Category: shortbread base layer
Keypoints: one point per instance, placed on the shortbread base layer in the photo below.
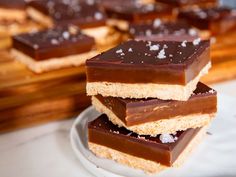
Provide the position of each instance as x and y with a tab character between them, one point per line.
12	15
162	126
123	25
39	17
17	28
143	164
146	90
52	63
106	37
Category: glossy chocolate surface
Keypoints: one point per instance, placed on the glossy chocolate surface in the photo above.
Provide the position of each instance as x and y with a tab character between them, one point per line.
85	14
57	42
205	17
149	62
134	12
184	3
12	4
103	132
137	111
163	31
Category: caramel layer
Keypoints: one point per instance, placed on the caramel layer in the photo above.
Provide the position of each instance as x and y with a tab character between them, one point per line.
103	132
137	111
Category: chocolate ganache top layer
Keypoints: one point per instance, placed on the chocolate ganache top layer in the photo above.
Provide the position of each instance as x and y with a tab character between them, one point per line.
83	13
164	54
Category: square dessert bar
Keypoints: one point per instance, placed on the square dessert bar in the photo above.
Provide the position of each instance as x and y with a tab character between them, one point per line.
216	20
85	14
155	116
151	154
55	48
122	14
12	10
163	31
144	69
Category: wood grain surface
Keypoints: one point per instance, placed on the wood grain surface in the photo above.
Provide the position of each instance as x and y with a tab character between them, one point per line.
28	99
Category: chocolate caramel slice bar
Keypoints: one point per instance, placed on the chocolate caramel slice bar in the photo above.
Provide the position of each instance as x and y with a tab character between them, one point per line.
215	20
12	10
155	116
56	48
85	14
144	69
121	14
150	154
163	31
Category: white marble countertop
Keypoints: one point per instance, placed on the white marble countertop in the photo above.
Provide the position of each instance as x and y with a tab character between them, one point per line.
45	150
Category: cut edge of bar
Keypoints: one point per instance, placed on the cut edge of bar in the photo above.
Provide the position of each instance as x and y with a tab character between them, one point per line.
153	128
143	164
52	63
146	90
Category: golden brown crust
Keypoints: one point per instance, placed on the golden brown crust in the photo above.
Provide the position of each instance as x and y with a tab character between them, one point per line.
143	164
158	127
52	63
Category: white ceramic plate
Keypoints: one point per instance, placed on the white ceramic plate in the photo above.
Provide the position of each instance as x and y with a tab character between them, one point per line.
215	157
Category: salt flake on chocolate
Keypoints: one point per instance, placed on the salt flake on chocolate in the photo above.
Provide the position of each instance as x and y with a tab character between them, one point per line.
98	16
197	41
154	47
119	51
192	32
66	35
157	23
167	138
130	50
183	44
161	54
54	41
211	91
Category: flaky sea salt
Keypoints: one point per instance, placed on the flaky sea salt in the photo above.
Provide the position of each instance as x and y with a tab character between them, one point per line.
149	43
54	41
119	51
161	54
211	91
197	41
192	32
167	138
130	50
157	23
154	47
98	16
66	35
183	44
165	46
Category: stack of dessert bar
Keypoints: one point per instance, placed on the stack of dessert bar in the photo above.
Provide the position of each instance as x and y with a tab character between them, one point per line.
155	109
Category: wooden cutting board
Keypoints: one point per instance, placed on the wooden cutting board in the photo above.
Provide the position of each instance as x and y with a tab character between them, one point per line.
28	99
